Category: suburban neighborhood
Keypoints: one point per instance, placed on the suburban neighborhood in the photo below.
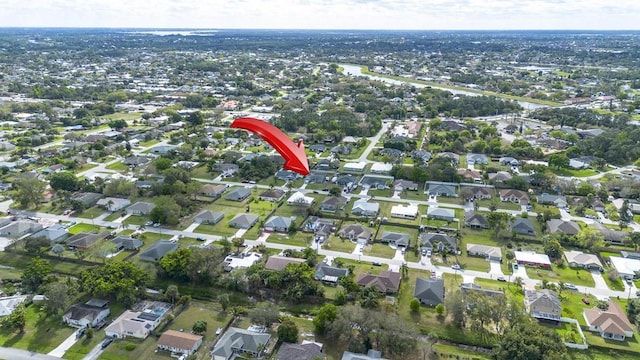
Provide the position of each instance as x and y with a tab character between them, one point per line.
136	223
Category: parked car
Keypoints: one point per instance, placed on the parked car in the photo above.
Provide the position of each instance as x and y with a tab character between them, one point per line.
586	301
455	267
106	342
200	238
148	223
376	263
502	279
570	287
428	253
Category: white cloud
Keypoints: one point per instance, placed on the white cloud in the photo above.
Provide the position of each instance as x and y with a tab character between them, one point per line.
326	14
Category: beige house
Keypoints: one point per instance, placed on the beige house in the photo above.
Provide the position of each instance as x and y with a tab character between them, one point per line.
179	342
611	323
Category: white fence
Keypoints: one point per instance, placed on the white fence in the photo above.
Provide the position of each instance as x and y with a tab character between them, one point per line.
574	322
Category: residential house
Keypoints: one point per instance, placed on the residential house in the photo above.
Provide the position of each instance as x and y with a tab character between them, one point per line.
514	196
241	261
277	262
401	185
470	175
236	341
388	282
179	342
54	169
273	195
381	168
578	259
127	243
89	314
422	155
243	221
562	226
477	192
327	164
158	250
299	199
287	175
371	355
453	157
522	226
611	323
442	189
84	240
227	170
16	229
138	323
499	177
598	205
330	274
543	304
163	149
53	233
304	351
556	200
441	214
214	191
238	194
404	212
141	208
9	303
208	217
317	177
491	253
475	220
278	224
395	239
87	199
355	232
477	159
113	204
136	160
362	207
437	241
355	167
508	161
319	148
333	204
429	291
531	258
375	182
582	162
627	266
346	180
615	237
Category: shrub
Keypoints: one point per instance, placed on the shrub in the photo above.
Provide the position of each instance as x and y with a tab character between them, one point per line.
414	305
130	347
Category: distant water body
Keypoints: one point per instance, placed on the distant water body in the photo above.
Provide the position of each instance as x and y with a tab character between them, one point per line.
357	71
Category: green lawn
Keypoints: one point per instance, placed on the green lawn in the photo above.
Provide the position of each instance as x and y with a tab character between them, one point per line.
113	216
58	266
293	240
218	229
118	166
202	172
566	274
380	250
135	220
78	228
86	167
500	204
90	213
335	243
42	333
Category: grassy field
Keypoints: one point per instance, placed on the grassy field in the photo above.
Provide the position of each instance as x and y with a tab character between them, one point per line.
113	216
42	333
337	244
135	220
294	240
118	166
90	213
380	250
78	228
566	274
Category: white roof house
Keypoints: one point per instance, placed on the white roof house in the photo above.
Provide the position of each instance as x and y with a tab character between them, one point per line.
245	260
300	198
381	168
355	166
532	258
401	211
625	266
9	303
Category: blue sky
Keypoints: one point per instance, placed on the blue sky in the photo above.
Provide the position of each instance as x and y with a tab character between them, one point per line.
325	14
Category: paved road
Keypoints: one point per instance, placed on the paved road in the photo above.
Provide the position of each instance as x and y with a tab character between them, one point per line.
19	354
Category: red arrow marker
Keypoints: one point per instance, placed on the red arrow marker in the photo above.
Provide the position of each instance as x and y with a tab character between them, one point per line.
294	155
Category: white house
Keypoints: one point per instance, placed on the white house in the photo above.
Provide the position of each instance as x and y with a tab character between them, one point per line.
8	303
179	342
405	212
299	198
83	315
381	168
355	166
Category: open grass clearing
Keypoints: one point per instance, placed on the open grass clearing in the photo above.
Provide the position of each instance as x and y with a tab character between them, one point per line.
379	250
78	228
42	333
335	243
566	274
90	213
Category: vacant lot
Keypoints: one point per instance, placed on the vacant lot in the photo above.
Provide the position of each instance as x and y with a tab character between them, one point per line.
42	333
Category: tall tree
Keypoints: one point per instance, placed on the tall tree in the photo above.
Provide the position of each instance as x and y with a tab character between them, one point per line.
64	180
530	341
122	280
35	274
28	192
288	331
57	298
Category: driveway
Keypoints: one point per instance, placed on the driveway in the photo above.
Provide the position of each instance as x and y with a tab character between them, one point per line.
65	345
192	227
4	242
399	255
599	281
495	268
468	279
521	272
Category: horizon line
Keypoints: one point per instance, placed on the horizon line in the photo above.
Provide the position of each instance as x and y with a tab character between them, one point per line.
293	29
